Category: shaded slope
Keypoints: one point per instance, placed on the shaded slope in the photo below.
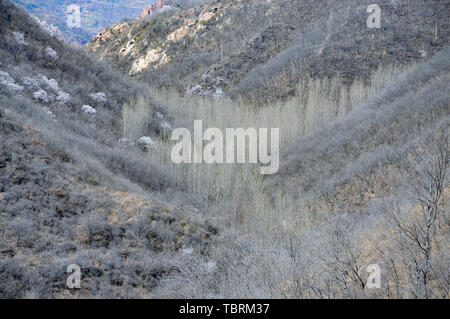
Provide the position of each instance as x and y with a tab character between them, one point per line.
261	49
347	163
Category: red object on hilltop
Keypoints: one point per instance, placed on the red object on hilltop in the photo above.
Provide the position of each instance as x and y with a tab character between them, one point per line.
149	11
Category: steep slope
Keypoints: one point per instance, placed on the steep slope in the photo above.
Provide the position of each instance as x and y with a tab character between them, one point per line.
261	49
367	185
69	192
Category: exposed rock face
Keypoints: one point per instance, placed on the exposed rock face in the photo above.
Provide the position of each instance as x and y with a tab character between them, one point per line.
178	34
153	56
206	16
253	44
96	15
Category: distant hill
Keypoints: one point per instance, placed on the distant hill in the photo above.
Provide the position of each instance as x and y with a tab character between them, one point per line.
95	15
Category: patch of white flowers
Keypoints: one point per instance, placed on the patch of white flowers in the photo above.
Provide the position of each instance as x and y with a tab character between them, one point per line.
19	37
63	97
51	87
53	84
9	82
88	109
41	96
98	97
49	28
51	53
30	83
146	141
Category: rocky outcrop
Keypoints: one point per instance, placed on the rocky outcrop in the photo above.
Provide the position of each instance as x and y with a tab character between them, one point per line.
157	57
147	11
179	34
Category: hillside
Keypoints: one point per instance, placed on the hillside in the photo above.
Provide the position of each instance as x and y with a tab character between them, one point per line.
70	193
260	50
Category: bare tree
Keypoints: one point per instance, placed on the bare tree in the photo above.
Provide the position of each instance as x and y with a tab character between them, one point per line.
425	178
